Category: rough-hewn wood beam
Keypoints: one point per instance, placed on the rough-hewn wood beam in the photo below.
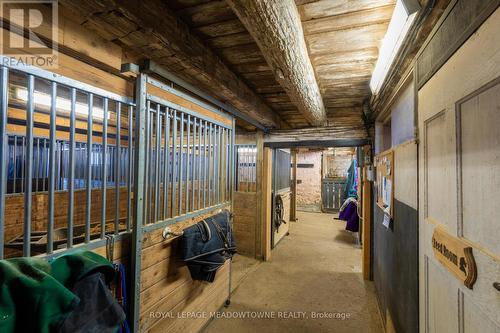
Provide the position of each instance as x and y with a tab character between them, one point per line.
152	29
276	27
316	134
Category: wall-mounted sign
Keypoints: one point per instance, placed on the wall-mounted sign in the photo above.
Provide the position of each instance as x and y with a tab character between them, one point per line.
455	255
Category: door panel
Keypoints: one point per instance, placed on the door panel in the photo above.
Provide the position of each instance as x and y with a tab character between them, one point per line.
442	301
459	183
474	319
440	169
478	121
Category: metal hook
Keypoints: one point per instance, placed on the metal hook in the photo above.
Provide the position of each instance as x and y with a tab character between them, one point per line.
169	232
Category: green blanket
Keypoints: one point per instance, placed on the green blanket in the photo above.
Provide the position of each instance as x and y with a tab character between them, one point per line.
35	295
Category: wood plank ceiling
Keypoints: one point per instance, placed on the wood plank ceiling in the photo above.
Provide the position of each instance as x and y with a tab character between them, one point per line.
216	24
342	36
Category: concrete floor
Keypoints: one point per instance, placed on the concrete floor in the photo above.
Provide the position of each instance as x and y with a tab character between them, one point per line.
316	269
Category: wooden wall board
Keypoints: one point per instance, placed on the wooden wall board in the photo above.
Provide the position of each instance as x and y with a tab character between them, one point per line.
246	217
166	284
73	68
14	213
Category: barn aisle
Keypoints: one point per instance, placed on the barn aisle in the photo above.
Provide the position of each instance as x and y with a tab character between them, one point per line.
316	270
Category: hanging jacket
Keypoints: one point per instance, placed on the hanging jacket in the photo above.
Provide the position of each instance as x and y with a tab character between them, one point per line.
351	185
207	245
41	296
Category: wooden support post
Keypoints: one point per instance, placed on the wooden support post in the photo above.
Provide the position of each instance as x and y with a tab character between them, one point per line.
266	203
366	203
259	189
293	203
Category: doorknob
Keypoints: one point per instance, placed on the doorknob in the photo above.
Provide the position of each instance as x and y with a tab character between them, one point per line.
496	285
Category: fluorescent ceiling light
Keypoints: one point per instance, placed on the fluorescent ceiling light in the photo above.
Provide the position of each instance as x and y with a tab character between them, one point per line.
61	103
399	26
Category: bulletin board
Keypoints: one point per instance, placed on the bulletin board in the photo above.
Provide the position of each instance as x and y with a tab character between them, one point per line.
384	164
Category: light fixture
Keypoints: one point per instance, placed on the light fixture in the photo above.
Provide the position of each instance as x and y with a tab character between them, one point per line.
61	103
401	21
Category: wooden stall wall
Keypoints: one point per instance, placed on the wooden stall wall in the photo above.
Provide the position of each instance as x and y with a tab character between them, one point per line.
167	290
246	218
247	203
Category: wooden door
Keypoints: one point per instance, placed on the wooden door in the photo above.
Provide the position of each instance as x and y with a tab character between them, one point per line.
459	185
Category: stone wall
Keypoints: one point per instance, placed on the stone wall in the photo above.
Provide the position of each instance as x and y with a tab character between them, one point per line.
309	180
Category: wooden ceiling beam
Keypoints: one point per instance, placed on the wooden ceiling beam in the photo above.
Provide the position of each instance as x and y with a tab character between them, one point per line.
318	134
156	28
277	29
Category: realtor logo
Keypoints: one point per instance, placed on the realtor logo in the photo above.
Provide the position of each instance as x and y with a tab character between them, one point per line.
30	33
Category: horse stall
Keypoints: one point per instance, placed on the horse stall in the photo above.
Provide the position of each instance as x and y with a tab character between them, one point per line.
119	163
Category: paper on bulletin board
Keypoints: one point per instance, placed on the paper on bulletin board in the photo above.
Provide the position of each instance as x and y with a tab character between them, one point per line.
386	191
387	220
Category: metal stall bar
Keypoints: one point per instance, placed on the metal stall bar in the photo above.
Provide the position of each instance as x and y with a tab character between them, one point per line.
4	100
88	208
227	166
188	157
210	164
232	161
181	160
216	163
43	163
157	163
117	167
222	166
15	162
205	165
166	164
104	179
174	160
147	171
199	164
193	165
29	167
147	181
52	168
71	178
130	167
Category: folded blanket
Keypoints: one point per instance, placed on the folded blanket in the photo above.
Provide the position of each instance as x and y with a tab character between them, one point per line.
207	245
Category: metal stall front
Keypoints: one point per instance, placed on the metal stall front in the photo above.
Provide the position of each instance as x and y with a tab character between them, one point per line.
184	166
65	163
281	181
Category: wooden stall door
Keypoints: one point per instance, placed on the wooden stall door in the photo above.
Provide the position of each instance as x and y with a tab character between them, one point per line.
459	182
